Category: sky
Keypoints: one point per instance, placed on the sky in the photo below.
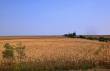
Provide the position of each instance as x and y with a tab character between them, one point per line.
54	17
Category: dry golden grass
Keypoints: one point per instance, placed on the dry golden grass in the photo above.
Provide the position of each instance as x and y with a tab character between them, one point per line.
56	47
64	49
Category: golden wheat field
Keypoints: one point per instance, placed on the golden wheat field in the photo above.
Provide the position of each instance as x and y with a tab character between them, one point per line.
63	49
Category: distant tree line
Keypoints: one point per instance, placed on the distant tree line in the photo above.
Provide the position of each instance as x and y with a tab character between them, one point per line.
74	35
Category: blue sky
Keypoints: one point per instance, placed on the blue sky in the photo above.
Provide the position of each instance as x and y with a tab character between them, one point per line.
54	17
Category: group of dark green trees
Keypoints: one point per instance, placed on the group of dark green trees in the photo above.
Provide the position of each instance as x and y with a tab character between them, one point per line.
74	35
71	35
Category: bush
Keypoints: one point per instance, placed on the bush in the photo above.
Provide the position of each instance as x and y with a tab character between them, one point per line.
8	53
104	39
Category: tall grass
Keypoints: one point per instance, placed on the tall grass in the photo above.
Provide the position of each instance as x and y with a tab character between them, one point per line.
20	63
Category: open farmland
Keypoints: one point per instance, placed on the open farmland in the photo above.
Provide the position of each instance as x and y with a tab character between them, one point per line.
63	53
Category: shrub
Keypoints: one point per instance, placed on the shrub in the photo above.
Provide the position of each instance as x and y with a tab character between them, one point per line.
8	53
103	39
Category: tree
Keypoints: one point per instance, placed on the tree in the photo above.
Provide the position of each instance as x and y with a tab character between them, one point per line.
71	35
74	34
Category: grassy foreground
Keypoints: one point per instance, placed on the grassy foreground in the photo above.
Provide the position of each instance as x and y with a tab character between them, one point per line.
54	54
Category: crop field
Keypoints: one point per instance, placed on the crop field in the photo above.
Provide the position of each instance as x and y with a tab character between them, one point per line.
60	53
